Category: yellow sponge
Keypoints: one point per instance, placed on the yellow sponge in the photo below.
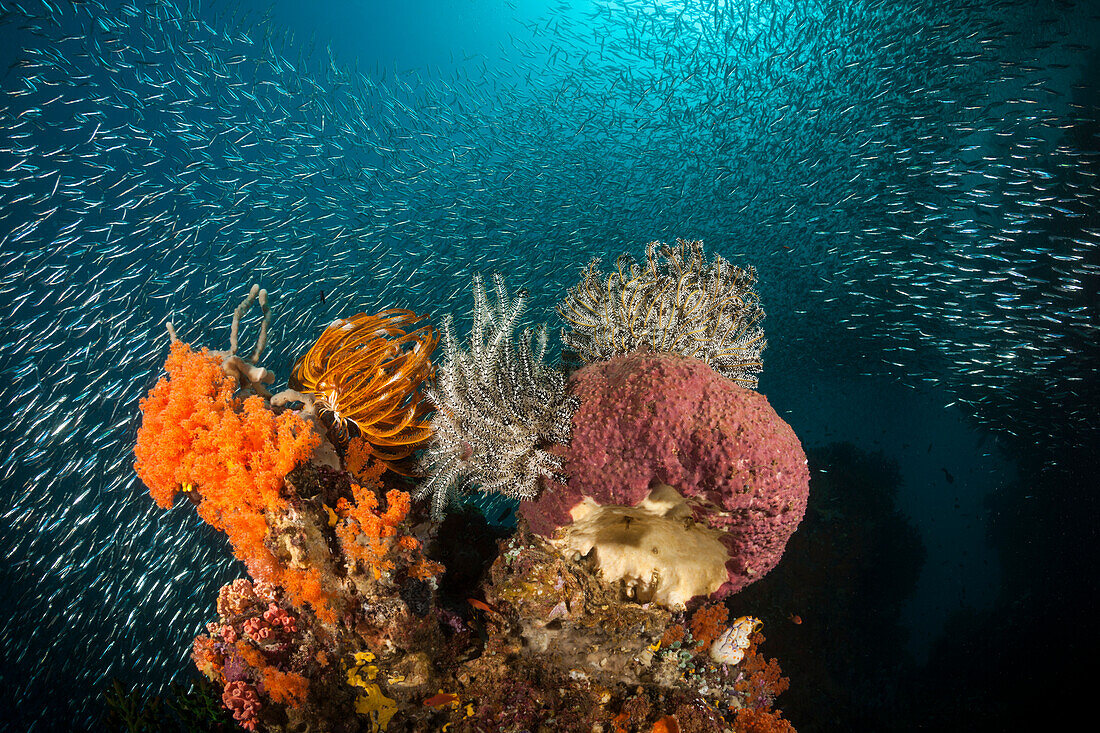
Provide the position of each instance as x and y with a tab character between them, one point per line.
653	548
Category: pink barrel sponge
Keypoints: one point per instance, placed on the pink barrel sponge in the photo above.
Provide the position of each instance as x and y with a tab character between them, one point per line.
650	418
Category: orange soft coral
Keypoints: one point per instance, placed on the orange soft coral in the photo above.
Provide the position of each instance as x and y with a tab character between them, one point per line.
175	415
370	538
707	623
288	688
197	435
366	535
369	372
673	634
667	724
763	680
761	721
361	465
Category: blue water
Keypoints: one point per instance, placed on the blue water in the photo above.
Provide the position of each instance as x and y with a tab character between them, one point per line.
917	187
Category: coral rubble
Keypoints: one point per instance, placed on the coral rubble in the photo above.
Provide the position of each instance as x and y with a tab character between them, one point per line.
653	486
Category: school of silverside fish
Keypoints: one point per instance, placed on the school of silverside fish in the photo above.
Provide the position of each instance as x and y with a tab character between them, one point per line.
915	183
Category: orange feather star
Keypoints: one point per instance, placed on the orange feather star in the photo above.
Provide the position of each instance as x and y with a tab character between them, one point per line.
368	372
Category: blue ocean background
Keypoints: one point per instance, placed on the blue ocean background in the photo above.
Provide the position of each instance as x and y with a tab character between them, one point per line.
917	184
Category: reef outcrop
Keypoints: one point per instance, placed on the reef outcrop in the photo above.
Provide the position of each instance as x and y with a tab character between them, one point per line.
652	487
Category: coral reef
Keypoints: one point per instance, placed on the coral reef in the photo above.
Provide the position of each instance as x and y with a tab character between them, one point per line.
285	664
652	474
564	651
368	372
680	305
331	563
499	407
740	468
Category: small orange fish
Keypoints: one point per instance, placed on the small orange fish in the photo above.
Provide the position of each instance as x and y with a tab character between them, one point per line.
481	605
443	698
794	618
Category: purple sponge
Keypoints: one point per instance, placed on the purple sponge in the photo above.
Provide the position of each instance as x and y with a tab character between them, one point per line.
649	418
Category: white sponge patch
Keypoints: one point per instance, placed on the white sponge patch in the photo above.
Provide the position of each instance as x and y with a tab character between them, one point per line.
654	549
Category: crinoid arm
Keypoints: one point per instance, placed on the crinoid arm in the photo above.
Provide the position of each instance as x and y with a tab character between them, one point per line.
366	375
498	406
677	302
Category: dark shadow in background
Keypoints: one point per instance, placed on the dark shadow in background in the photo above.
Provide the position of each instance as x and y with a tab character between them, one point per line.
832	607
1027	663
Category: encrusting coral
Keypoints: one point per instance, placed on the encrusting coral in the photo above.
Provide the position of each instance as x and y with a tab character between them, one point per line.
499	407
281	662
563	647
232	452
681	305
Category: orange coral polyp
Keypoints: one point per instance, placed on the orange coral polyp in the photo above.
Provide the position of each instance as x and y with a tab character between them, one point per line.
368	371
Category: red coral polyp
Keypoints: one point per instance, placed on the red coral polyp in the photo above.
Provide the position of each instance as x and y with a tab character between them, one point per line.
279	618
274	619
243	701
